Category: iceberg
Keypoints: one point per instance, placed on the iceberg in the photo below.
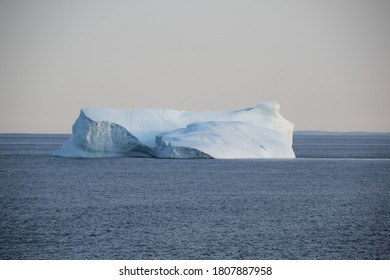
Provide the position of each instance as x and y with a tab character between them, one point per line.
259	132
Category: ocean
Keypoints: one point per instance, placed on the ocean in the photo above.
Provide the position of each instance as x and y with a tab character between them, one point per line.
331	202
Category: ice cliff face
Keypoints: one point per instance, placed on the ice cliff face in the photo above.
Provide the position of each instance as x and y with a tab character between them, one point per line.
259	132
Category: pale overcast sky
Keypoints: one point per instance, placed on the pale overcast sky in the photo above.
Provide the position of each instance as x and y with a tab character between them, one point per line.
326	62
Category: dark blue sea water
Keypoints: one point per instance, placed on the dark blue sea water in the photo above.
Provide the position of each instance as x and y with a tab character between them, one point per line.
332	202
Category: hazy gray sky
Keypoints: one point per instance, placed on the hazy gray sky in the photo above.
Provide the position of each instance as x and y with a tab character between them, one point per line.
326	62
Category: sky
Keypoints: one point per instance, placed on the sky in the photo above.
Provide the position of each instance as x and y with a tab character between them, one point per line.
327	63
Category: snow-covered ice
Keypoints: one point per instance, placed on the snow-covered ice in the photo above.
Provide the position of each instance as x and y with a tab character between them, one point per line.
259	132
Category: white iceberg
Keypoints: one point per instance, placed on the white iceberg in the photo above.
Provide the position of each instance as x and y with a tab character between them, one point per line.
259	132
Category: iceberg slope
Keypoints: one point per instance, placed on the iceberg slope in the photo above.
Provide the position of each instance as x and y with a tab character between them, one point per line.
232	140
259	132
